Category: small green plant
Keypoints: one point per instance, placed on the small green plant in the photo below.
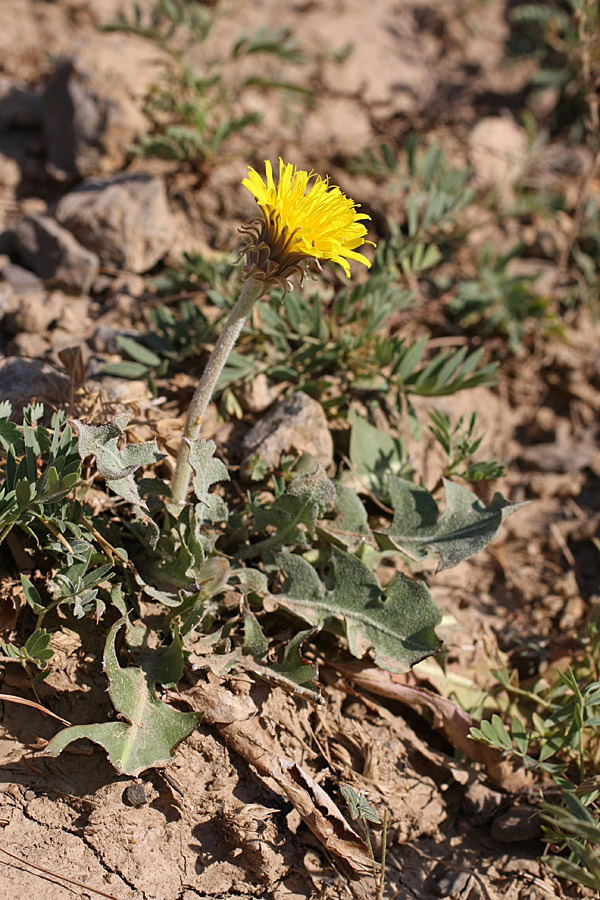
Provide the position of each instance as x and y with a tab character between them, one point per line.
553	728
360	809
440	207
560	35
194	114
336	350
565	37
433	193
573	829
499	301
460	443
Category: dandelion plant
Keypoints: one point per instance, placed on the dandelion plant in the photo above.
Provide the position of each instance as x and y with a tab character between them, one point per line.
304	219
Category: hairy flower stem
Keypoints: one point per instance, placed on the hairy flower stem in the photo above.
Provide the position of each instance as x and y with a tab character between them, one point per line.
251	291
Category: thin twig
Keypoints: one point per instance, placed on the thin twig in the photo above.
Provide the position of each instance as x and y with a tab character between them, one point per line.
562	544
59	537
12	699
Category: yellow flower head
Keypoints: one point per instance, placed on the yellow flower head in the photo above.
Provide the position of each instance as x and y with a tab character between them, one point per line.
304	217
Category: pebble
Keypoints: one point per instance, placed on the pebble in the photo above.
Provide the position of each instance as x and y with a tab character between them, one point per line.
135	795
54	254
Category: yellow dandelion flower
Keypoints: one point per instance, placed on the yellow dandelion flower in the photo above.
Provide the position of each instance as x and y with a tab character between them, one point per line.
304	217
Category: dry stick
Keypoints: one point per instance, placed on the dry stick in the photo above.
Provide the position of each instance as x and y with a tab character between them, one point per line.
251	291
86	887
12	699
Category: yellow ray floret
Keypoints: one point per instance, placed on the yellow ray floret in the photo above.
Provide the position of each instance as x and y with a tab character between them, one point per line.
308	216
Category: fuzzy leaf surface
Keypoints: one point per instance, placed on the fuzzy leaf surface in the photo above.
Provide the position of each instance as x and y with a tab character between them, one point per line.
152	730
207	470
116	465
374	454
350	525
396	624
461	531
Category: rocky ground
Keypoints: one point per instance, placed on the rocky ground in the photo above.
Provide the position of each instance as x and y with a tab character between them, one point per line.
85	227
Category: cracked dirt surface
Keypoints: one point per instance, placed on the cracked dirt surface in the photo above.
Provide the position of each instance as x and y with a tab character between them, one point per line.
208	825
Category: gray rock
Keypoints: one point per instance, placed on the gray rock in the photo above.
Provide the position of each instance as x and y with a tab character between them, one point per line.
124	219
54	254
22	381
18	289
519	823
445	881
34	312
34	346
8	298
93	104
296	423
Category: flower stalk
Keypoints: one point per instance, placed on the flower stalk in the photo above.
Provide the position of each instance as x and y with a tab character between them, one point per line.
250	293
304	219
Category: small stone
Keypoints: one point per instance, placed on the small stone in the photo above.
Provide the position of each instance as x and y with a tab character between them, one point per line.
296	423
135	795
8	298
125	219
497	150
519	823
445	881
75	318
54	254
25	344
10	172
21	279
480	804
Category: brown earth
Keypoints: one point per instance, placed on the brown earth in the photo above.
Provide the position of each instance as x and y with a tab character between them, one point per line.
209	825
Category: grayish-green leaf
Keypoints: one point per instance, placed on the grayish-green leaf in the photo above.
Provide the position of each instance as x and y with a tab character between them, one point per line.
152	730
116	465
396	624
207	470
461	531
255	643
374	455
350	525
294	667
